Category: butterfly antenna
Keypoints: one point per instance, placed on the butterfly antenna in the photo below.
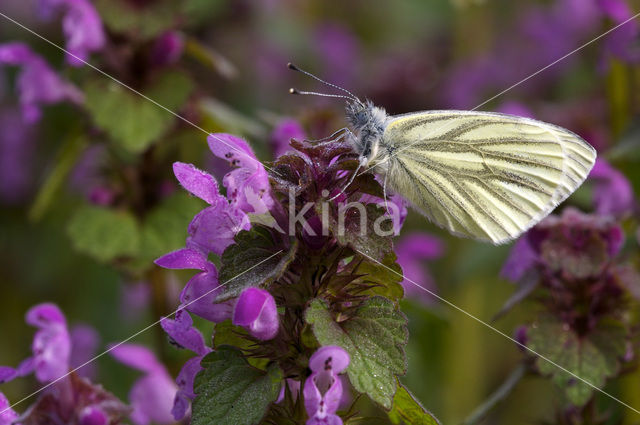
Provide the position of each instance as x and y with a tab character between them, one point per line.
295	68
296	91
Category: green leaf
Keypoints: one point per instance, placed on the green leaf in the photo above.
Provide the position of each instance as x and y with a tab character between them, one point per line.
226	333
408	411
374	337
132	122
244	265
104	234
385	281
594	357
164	227
230	391
372	238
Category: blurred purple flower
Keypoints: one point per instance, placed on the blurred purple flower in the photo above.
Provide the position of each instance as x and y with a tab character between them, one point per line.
81	25
284	131
84	345
623	42
412	251
567	247
323	388
8	415
521	259
151	396
516	108
612	192
200	287
37	83
168	48
17	149
51	343
256	310
182	332
134	299
248	188
338	51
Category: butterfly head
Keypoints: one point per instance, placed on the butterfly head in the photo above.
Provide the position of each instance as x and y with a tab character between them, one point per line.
369	122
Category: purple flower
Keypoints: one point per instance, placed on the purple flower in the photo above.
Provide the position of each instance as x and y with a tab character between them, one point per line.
8	415
183	333
338	50
84	344
621	43
135	298
17	153
51	343
612	192
81	25
323	388
37	83
212	229
256	310
198	295
168	48
247	185
282	134
412	251
151	396
521	259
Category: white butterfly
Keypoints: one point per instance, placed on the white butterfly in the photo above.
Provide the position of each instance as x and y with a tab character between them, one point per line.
483	175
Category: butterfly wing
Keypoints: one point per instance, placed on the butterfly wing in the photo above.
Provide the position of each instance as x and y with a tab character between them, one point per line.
483	175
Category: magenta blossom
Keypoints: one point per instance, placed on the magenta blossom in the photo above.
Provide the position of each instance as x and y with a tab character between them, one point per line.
283	132
412	252
85	342
182	332
81	25
247	185
37	83
199	294
323	388
256	310
612	192
168	48
7	414
151	396
213	228
51	343
621	43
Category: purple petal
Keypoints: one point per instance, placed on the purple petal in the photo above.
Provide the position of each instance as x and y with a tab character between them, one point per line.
151	398
282	134
522	258
93	415
137	357
328	420
7	374
612	192
199	295
248	185
256	310
84	344
197	182
168	48
184	259
83	29
181	330
331	356
233	149
43	315
185	381
213	229
8	415
51	344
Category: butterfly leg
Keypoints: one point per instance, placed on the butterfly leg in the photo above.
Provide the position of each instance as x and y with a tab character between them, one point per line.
337	135
353	176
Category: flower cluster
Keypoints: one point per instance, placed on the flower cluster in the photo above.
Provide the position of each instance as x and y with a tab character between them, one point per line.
70	398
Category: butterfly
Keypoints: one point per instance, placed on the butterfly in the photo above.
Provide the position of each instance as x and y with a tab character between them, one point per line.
483	175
